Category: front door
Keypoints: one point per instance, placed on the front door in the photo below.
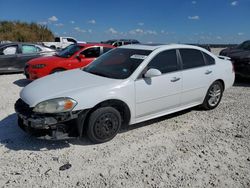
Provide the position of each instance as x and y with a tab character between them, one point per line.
161	94
90	55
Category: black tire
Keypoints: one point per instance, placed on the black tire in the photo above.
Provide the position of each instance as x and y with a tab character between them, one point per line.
57	70
211	101
103	125
53	47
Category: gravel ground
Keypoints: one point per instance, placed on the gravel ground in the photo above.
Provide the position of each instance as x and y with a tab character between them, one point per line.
192	148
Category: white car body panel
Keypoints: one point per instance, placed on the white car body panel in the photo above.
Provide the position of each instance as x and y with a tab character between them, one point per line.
152	97
63	42
146	99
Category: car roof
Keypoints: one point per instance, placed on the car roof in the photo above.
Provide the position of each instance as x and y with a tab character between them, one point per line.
94	44
153	47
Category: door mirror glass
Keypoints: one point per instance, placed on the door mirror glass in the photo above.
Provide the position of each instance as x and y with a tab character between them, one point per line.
152	73
80	57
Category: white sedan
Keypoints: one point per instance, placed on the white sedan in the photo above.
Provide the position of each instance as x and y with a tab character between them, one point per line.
127	85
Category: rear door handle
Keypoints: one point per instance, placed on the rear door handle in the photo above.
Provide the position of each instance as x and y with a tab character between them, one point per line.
175	79
208	72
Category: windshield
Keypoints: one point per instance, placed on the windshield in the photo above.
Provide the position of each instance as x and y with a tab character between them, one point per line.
119	63
69	51
245	45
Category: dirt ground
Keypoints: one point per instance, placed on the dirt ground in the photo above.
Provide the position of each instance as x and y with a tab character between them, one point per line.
192	148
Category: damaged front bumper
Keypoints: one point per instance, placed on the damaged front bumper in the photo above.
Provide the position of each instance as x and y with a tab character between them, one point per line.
56	126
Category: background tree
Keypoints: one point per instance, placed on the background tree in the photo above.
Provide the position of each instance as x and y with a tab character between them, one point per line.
24	32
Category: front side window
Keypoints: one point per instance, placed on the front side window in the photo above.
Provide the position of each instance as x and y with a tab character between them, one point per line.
105	49
69	51
91	52
9	50
165	62
28	49
191	58
119	63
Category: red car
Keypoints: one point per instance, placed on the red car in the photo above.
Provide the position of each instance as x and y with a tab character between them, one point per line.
73	56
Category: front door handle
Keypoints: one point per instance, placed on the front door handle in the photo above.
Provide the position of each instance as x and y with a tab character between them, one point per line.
175	79
208	72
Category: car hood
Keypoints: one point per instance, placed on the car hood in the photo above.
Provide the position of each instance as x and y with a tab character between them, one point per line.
50	59
63	84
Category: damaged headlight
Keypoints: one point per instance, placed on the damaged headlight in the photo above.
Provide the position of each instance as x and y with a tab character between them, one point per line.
55	105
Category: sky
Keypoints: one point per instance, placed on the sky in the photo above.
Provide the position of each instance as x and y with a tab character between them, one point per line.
157	21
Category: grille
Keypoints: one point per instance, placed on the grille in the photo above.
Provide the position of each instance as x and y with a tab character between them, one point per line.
22	108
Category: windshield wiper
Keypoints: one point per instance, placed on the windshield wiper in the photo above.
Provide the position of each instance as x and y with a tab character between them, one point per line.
96	73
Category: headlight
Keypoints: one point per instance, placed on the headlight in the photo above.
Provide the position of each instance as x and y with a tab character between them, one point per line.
38	66
55	105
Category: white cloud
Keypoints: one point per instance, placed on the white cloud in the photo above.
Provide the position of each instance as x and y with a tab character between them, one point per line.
112	31
240	33
59	25
164	32
78	29
234	3
141	24
92	21
53	19
151	32
90	30
219	37
72	22
136	31
42	23
194	2
193	17
140	31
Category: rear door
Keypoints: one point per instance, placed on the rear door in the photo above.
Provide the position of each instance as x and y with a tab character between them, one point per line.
8	58
28	52
197	76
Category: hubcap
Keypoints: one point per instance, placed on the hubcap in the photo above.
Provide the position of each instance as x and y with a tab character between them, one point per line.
214	95
106	126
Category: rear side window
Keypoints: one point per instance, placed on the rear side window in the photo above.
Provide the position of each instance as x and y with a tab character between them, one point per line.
28	49
209	60
165	62
57	39
91	52
191	58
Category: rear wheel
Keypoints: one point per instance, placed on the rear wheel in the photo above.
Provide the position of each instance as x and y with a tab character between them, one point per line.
104	124
213	97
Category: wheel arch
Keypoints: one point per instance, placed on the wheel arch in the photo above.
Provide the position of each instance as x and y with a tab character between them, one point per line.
222	82
119	105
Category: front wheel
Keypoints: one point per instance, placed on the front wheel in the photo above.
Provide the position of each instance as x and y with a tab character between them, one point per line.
104	124
213	96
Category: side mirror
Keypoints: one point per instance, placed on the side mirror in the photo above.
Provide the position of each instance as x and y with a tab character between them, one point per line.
152	73
80	57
